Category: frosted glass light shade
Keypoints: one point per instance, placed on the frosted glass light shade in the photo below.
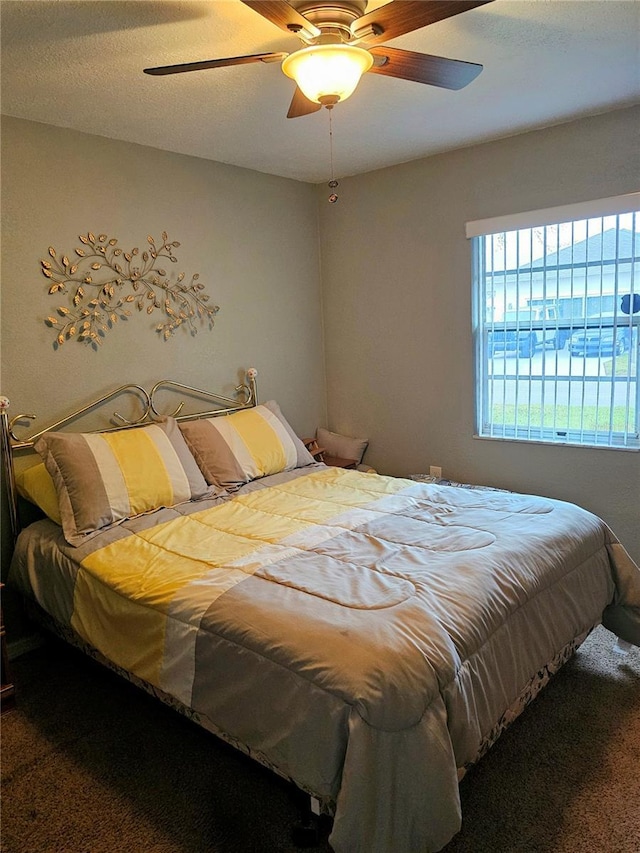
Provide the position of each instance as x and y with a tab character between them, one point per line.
327	72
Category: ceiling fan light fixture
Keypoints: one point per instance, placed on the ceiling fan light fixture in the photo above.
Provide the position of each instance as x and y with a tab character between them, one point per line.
327	73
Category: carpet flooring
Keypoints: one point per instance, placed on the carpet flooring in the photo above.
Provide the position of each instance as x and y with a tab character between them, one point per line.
91	764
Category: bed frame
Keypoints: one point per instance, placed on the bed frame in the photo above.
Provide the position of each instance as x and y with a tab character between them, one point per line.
11	444
246	393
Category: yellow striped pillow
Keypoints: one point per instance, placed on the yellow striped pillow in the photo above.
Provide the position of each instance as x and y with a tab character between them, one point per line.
103	478
35	484
235	449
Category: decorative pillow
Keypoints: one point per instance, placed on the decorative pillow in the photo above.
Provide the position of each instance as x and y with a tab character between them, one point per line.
35	484
342	445
103	478
234	449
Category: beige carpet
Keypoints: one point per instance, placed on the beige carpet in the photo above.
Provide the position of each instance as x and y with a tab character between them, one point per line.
90	764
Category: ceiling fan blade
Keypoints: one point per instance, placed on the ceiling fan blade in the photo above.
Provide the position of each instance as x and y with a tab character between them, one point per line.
283	15
301	105
423	68
403	16
215	63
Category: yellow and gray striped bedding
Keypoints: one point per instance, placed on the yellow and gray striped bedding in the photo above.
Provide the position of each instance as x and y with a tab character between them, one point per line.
364	633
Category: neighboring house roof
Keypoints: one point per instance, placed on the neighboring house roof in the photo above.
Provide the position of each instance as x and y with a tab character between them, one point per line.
610	244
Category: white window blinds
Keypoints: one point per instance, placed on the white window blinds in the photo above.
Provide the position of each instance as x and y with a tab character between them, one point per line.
557	319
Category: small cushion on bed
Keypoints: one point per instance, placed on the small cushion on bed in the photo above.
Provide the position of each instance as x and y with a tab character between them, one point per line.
103	478
35	484
234	449
342	445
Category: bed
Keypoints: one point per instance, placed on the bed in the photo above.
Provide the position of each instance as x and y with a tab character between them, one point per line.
367	637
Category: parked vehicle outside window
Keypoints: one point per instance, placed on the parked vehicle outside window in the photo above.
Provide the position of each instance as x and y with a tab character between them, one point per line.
524	331
606	338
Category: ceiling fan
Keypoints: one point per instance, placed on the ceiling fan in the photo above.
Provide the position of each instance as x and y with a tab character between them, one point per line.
342	42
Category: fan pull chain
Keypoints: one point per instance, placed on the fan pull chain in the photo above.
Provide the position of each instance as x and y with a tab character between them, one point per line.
333	198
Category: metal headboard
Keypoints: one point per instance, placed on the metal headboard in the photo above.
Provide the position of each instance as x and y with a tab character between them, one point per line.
10	443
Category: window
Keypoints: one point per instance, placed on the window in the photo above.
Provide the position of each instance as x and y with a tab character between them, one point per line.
557	324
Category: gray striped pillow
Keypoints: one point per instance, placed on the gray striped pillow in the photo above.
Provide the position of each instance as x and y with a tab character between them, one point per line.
234	449
103	478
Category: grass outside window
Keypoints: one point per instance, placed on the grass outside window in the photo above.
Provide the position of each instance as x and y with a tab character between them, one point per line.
560	418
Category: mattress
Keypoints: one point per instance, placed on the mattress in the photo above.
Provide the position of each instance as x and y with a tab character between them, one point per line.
363	634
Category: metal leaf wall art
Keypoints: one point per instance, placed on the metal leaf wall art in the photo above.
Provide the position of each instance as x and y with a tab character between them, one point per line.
103	283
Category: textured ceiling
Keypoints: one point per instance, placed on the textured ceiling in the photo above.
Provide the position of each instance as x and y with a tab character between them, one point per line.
79	65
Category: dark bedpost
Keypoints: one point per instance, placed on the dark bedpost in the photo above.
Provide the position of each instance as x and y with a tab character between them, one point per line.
7	462
305	832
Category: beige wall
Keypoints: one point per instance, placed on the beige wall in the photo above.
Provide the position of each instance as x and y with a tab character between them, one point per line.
396	290
397	309
252	237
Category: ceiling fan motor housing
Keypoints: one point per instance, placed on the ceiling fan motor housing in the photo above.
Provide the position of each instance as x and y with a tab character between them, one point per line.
334	18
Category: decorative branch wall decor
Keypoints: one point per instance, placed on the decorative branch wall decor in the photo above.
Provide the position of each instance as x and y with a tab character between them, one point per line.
103	282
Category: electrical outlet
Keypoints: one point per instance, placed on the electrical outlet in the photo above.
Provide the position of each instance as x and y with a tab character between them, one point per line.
435	471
